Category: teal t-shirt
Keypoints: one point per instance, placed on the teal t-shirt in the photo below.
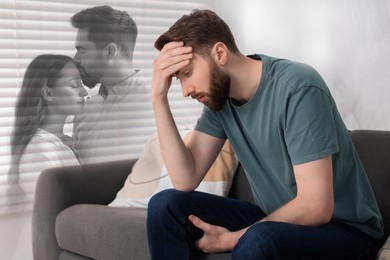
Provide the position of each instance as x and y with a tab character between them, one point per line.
293	119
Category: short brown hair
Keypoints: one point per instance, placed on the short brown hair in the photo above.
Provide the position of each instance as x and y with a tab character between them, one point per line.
201	30
105	25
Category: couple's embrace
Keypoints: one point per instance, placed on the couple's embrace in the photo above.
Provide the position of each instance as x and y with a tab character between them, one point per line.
53	90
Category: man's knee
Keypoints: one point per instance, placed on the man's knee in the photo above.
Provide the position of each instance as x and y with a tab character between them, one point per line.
161	197
159	202
169	200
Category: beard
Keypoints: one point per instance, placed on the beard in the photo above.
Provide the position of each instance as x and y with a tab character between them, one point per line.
219	88
88	80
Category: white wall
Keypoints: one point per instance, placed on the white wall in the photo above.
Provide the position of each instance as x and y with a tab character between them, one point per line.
345	40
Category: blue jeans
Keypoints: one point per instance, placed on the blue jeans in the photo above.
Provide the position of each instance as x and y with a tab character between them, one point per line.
171	236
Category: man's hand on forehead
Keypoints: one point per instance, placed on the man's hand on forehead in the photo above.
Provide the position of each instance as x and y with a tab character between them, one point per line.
173	57
176	56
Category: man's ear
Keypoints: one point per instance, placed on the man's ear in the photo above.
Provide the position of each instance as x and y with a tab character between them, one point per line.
111	51
46	93
220	53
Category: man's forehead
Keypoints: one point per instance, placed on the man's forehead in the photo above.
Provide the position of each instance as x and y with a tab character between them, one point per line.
82	33
82	38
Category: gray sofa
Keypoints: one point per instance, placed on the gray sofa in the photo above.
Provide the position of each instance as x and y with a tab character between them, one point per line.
71	219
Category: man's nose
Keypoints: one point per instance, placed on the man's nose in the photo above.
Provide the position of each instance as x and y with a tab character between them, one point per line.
187	89
76	58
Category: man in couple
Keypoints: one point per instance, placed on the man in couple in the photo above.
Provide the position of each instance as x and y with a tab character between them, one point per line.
105	42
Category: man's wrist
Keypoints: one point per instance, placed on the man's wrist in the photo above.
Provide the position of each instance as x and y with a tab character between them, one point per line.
159	100
236	237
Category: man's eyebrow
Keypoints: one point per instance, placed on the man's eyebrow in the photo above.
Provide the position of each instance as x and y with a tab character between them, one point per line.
177	73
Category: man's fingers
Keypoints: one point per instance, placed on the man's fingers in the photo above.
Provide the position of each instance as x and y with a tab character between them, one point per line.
173	53
197	222
175	49
179	51
176	62
171	46
173	57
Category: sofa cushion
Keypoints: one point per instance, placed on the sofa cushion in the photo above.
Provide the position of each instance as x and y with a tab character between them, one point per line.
149	175
384	252
102	232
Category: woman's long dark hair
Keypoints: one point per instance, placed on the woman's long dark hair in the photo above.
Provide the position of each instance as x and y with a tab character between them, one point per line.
43	71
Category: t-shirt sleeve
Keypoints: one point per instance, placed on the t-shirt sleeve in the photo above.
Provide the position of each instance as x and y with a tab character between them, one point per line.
210	124
310	127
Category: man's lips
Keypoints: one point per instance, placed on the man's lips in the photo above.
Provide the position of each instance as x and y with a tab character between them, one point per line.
200	98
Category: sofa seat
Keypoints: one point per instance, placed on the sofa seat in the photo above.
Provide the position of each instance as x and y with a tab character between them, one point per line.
92	231
86	231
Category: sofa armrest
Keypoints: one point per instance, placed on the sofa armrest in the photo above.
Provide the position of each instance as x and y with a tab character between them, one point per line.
60	188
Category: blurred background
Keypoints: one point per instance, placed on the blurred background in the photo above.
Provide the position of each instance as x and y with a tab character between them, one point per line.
345	40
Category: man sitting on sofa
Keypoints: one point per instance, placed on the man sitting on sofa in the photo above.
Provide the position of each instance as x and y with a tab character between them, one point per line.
313	199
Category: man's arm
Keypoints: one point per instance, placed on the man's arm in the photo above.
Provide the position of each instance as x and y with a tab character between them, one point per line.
312	206
314	202
186	165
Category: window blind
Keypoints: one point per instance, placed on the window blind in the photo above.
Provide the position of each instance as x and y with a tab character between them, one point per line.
31	28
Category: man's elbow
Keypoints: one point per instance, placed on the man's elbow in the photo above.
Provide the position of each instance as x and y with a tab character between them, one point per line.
186	184
322	215
323	219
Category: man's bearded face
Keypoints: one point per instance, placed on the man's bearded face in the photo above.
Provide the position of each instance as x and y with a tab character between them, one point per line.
219	87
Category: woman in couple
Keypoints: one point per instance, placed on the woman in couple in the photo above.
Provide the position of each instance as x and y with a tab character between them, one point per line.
50	92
